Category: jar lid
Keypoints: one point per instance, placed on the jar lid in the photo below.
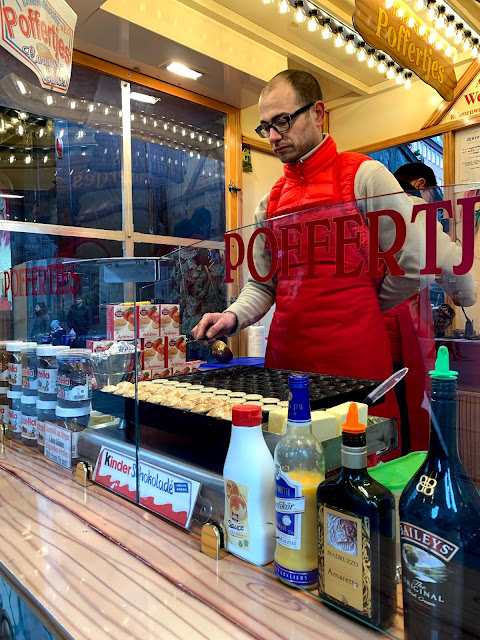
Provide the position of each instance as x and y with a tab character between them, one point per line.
16	345
29	399
45	405
246	415
73	354
76	412
14	395
50	349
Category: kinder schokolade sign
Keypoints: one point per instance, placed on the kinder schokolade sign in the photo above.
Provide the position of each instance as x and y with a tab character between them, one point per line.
40	34
389	31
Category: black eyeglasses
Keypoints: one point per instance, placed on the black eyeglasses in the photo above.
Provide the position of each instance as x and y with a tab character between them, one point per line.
280	125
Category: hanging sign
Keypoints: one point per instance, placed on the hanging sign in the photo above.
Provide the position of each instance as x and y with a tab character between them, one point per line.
163	492
467	104
390	30
40	34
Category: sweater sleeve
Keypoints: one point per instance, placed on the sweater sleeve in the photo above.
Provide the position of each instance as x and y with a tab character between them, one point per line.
377	189
256	298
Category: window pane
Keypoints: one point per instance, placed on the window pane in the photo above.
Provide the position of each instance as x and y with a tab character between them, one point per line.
178	167
62	153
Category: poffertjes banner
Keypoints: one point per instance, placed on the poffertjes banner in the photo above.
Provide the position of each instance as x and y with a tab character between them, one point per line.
39	33
410	46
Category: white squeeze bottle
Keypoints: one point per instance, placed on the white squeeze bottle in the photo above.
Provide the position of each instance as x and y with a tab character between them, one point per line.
249	477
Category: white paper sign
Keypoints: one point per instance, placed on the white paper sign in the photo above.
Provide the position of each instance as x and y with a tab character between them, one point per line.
168	494
39	33
467	147
61	445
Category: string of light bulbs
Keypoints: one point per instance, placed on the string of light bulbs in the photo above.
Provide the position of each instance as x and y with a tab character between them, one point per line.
436	17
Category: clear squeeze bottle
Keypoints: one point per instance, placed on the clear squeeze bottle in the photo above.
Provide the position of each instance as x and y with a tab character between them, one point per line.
356	534
299	469
249	488
440	529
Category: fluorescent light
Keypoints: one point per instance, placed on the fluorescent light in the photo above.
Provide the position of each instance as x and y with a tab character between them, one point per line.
143	97
182	70
10	196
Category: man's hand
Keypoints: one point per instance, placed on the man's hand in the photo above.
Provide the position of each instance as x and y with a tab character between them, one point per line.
214	326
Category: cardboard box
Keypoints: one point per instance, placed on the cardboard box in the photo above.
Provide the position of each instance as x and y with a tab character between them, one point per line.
195	364
148	320
98	345
175	349
120	318
188	367
169	319
146	374
161	373
154	353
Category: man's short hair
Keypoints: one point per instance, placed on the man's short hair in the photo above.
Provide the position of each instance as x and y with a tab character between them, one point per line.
414	171
303	83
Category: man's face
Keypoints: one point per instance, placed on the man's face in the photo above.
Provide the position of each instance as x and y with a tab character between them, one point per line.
305	131
79	302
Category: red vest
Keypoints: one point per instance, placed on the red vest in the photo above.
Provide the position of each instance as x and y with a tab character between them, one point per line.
322	323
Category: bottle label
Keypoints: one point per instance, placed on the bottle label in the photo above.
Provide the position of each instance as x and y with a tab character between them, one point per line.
41	431
3	413
289	507
15	373
15	420
236	515
29	378
344	561
299	578
68	390
29	427
425	562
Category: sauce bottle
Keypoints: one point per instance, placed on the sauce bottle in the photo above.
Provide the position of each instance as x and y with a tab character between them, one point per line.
299	469
249	488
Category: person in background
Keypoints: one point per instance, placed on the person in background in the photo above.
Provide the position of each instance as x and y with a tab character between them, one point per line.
322	324
79	320
41	322
57	333
410	324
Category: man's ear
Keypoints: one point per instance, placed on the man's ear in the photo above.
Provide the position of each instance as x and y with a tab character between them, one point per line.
419	183
319	109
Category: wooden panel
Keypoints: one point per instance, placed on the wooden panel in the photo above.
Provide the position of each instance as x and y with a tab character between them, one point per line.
140	572
258	144
468	433
449	157
442	110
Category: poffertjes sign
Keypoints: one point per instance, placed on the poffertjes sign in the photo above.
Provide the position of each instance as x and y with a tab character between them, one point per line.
389	31
40	34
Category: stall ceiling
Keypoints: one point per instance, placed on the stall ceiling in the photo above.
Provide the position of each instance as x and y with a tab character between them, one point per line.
111	31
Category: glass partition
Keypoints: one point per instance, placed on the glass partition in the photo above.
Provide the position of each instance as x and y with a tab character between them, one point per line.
349	283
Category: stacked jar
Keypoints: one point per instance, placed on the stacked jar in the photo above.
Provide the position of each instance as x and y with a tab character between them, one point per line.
47	388
29	394
14	393
3	386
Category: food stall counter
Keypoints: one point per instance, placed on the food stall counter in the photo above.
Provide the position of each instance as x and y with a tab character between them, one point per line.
93	565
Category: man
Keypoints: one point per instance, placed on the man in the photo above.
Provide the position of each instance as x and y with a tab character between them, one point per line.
323	324
419	176
79	319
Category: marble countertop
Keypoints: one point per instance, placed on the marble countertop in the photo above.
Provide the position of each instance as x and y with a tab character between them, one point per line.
95	566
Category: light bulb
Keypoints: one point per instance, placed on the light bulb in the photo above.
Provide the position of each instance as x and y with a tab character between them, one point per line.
350	46
209	141
80	134
420	5
28	159
408	80
439	45
448	51
267	1
298	14
372	61
61	133
192	135
411	23
422	30
432	11
20	130
361	53
390	71
184	132
45	159
73	104
450	30
382	67
155	123
48	100
200	138
283	6
41	132
339	41
400	12
174	128
441	21
165	126
388	4
400	79
326	29
312	24
432	37
11	159
475	52
105	111
91	108
459	36
454	56
467	45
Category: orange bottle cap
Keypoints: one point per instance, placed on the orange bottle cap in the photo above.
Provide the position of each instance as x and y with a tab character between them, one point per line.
352	425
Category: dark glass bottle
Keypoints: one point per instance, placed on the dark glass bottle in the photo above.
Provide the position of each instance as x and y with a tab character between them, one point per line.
440	529
356	520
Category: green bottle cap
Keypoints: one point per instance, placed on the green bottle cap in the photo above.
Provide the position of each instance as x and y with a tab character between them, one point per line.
442	369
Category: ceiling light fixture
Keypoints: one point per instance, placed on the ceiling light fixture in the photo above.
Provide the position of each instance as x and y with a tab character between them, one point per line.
182	70
299	15
143	97
312	24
